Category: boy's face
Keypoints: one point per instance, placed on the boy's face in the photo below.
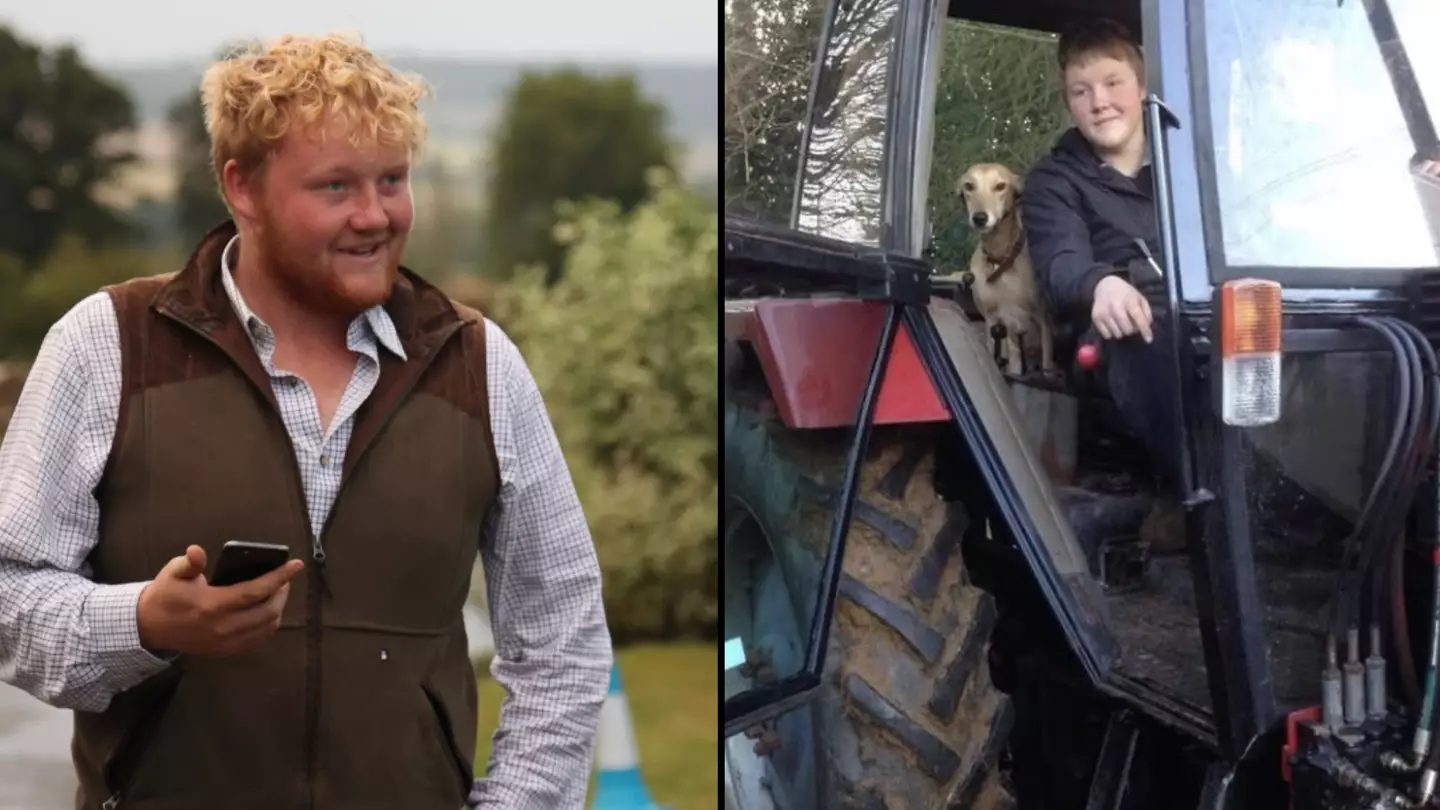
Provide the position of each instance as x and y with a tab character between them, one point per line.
1104	96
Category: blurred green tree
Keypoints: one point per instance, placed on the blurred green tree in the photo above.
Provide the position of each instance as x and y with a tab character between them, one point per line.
198	205
59	119
623	349
564	136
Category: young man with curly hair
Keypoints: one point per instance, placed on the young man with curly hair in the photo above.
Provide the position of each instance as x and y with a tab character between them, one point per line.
294	384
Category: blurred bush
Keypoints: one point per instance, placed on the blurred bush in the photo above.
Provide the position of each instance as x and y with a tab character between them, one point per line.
30	303
623	347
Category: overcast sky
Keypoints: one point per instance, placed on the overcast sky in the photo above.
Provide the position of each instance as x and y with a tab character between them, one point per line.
129	32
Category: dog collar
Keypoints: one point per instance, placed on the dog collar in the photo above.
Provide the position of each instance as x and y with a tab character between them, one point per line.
998	266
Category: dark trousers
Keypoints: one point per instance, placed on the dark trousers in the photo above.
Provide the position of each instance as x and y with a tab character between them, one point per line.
1142	383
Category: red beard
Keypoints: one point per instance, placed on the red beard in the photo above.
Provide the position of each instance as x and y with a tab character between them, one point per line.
312	280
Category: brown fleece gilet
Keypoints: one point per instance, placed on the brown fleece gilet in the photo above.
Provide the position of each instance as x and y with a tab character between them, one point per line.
365	698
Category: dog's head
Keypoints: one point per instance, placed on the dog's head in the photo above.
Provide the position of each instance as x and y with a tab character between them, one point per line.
990	191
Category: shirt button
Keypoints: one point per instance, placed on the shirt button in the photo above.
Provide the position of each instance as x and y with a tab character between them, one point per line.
325	460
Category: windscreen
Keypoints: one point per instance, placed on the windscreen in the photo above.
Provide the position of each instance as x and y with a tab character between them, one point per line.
1315	162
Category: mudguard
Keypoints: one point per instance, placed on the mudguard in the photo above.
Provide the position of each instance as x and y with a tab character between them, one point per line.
816	352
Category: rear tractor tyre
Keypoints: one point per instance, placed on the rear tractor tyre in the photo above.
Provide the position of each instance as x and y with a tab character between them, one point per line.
907	717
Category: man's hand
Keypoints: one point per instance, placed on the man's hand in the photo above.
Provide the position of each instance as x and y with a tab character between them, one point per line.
1120	310
180	612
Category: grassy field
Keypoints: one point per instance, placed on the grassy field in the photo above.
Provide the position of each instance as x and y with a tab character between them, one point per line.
674	692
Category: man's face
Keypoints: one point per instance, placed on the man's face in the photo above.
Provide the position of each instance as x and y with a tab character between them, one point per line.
331	220
1104	96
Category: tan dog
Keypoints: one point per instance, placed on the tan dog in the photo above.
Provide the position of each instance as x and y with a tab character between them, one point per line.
1005	288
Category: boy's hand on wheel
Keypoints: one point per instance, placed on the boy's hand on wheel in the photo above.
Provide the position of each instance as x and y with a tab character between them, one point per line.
1120	310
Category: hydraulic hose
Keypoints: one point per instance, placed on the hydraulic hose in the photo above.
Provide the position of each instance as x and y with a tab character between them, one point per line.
1374	552
1394	507
1392	465
1399	486
1421	439
1383	543
1354	558
1380	530
1422	452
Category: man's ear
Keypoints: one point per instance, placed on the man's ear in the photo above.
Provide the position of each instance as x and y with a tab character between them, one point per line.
240	189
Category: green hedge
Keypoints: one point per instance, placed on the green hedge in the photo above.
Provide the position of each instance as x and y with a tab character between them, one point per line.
998	100
624	350
30	303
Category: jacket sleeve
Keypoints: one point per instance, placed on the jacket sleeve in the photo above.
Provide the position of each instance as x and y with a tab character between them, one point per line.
1059	240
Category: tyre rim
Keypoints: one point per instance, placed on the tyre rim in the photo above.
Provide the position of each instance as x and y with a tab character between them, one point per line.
761	618
761	615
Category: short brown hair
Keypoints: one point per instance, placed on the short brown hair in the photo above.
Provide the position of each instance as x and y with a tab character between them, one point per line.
1099	38
255	95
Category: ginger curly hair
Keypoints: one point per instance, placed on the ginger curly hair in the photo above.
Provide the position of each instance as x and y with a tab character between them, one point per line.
257	93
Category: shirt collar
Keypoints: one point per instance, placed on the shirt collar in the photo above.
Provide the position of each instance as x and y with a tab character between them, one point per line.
380	327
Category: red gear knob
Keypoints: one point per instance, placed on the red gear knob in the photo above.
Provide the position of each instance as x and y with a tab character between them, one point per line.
1088	356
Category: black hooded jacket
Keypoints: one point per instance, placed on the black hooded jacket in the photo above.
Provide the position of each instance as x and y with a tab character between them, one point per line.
1081	218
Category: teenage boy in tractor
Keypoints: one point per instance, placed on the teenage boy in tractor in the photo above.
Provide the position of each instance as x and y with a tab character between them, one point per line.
1084	204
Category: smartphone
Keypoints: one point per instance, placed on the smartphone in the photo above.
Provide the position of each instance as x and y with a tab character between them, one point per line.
240	561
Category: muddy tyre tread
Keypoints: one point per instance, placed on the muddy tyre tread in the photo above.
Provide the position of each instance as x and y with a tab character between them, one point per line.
908	718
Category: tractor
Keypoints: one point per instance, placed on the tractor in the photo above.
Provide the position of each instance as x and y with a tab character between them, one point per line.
935	594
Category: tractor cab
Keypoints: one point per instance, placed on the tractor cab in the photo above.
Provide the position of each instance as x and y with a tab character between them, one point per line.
1293	151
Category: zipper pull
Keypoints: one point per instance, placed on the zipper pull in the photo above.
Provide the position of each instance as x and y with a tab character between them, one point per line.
1149	257
318	553
111	803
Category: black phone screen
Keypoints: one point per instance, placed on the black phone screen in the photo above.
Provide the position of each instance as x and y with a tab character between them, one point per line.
240	562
